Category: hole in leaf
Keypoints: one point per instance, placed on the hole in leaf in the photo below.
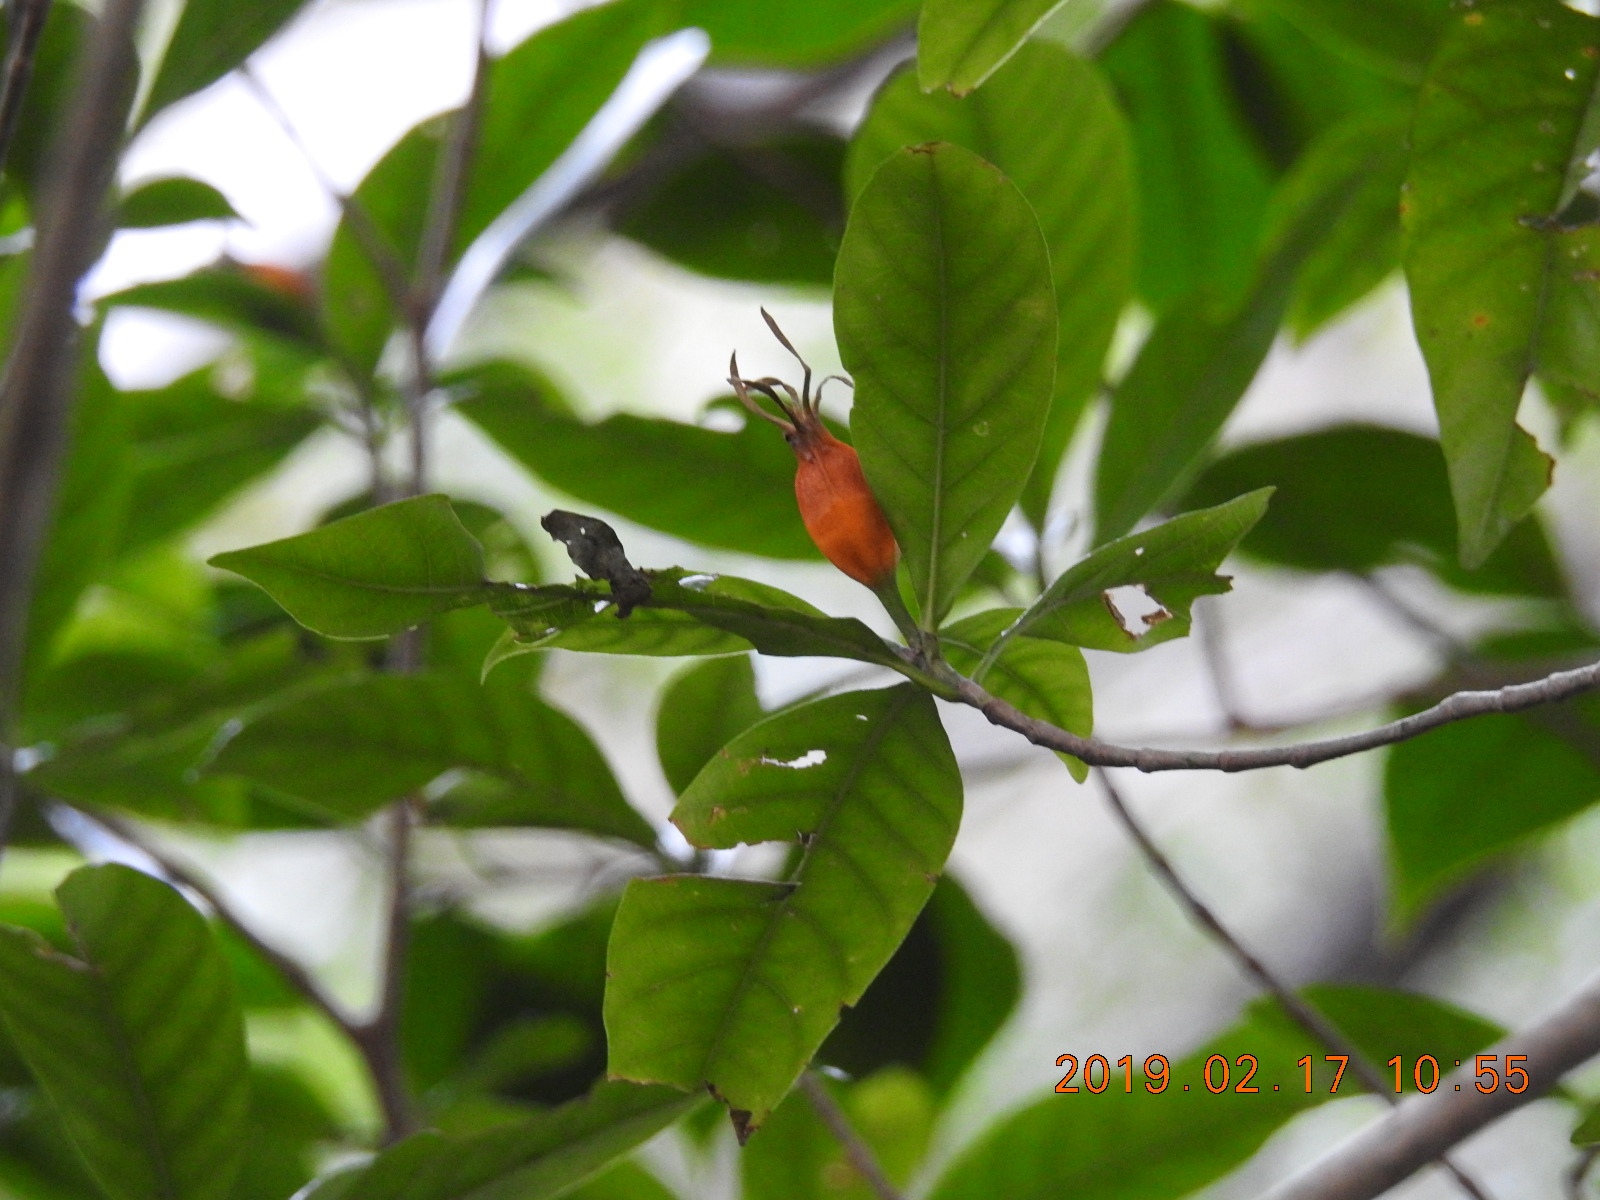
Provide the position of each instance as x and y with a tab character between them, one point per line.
1135	609
811	758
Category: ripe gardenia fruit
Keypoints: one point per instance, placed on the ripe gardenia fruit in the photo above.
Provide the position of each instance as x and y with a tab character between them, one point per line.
839	510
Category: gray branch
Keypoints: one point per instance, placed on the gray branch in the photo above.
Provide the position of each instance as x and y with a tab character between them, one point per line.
1395	1146
1562	685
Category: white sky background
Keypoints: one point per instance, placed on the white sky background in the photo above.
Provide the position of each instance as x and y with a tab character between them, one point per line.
1112	966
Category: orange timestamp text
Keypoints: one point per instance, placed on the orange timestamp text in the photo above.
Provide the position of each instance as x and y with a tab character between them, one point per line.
1220	1074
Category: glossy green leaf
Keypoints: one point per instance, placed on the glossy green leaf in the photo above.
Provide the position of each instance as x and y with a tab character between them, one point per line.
778	205
733	984
797	1157
1047	680
1394	37
1461	793
1204	182
1499	143
137	1037
212	38
1173	563
687	613
1357	497
961	43
372	574
1048	120
349	749
756	32
940	1000
734	491
946	319
531	1159
173	202
701	711
1200	358
194	447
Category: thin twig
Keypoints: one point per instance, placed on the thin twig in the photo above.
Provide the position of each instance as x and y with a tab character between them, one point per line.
1580	1172
27	23
1408	1137
1293	1004
380	1037
1561	685
292	973
35	392
857	1151
1214	652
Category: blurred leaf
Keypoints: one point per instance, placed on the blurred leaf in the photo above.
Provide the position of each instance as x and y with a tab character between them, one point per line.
236	299
1588	1131
173	202
950	399
372	574
67	27
701	711
1384	1022
797	1157
288	1125
348	749
1173	563
138	1039
961	43
798	35
734	491
1357	497
1465	791
1201	357
1500	142
1394	37
194	447
627	1180
1047	680
1047	119
531	1159
1203	180
733	984
212	38
778	205
687	613
940	1000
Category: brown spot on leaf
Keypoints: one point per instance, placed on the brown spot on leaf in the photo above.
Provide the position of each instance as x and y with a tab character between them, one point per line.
1472	19
1590	52
1480	320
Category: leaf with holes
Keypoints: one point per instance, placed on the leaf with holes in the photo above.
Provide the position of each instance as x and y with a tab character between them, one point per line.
733	984
1046	679
137	1037
372	574
1174	564
1502	243
946	318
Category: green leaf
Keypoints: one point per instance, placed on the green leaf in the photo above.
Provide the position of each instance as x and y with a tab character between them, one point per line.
229	296
1500	139
960	43
778	205
1396	38
733	984
137	1038
687	613
372	574
212	38
67	28
1358	497
1048	120
946	318
1174	564
1588	1131
734	491
940	1000
531	1159
1200	358
194	447
797	35
1047	680
1383	1022
347	750
1465	791
1204	182
701	711
173	202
